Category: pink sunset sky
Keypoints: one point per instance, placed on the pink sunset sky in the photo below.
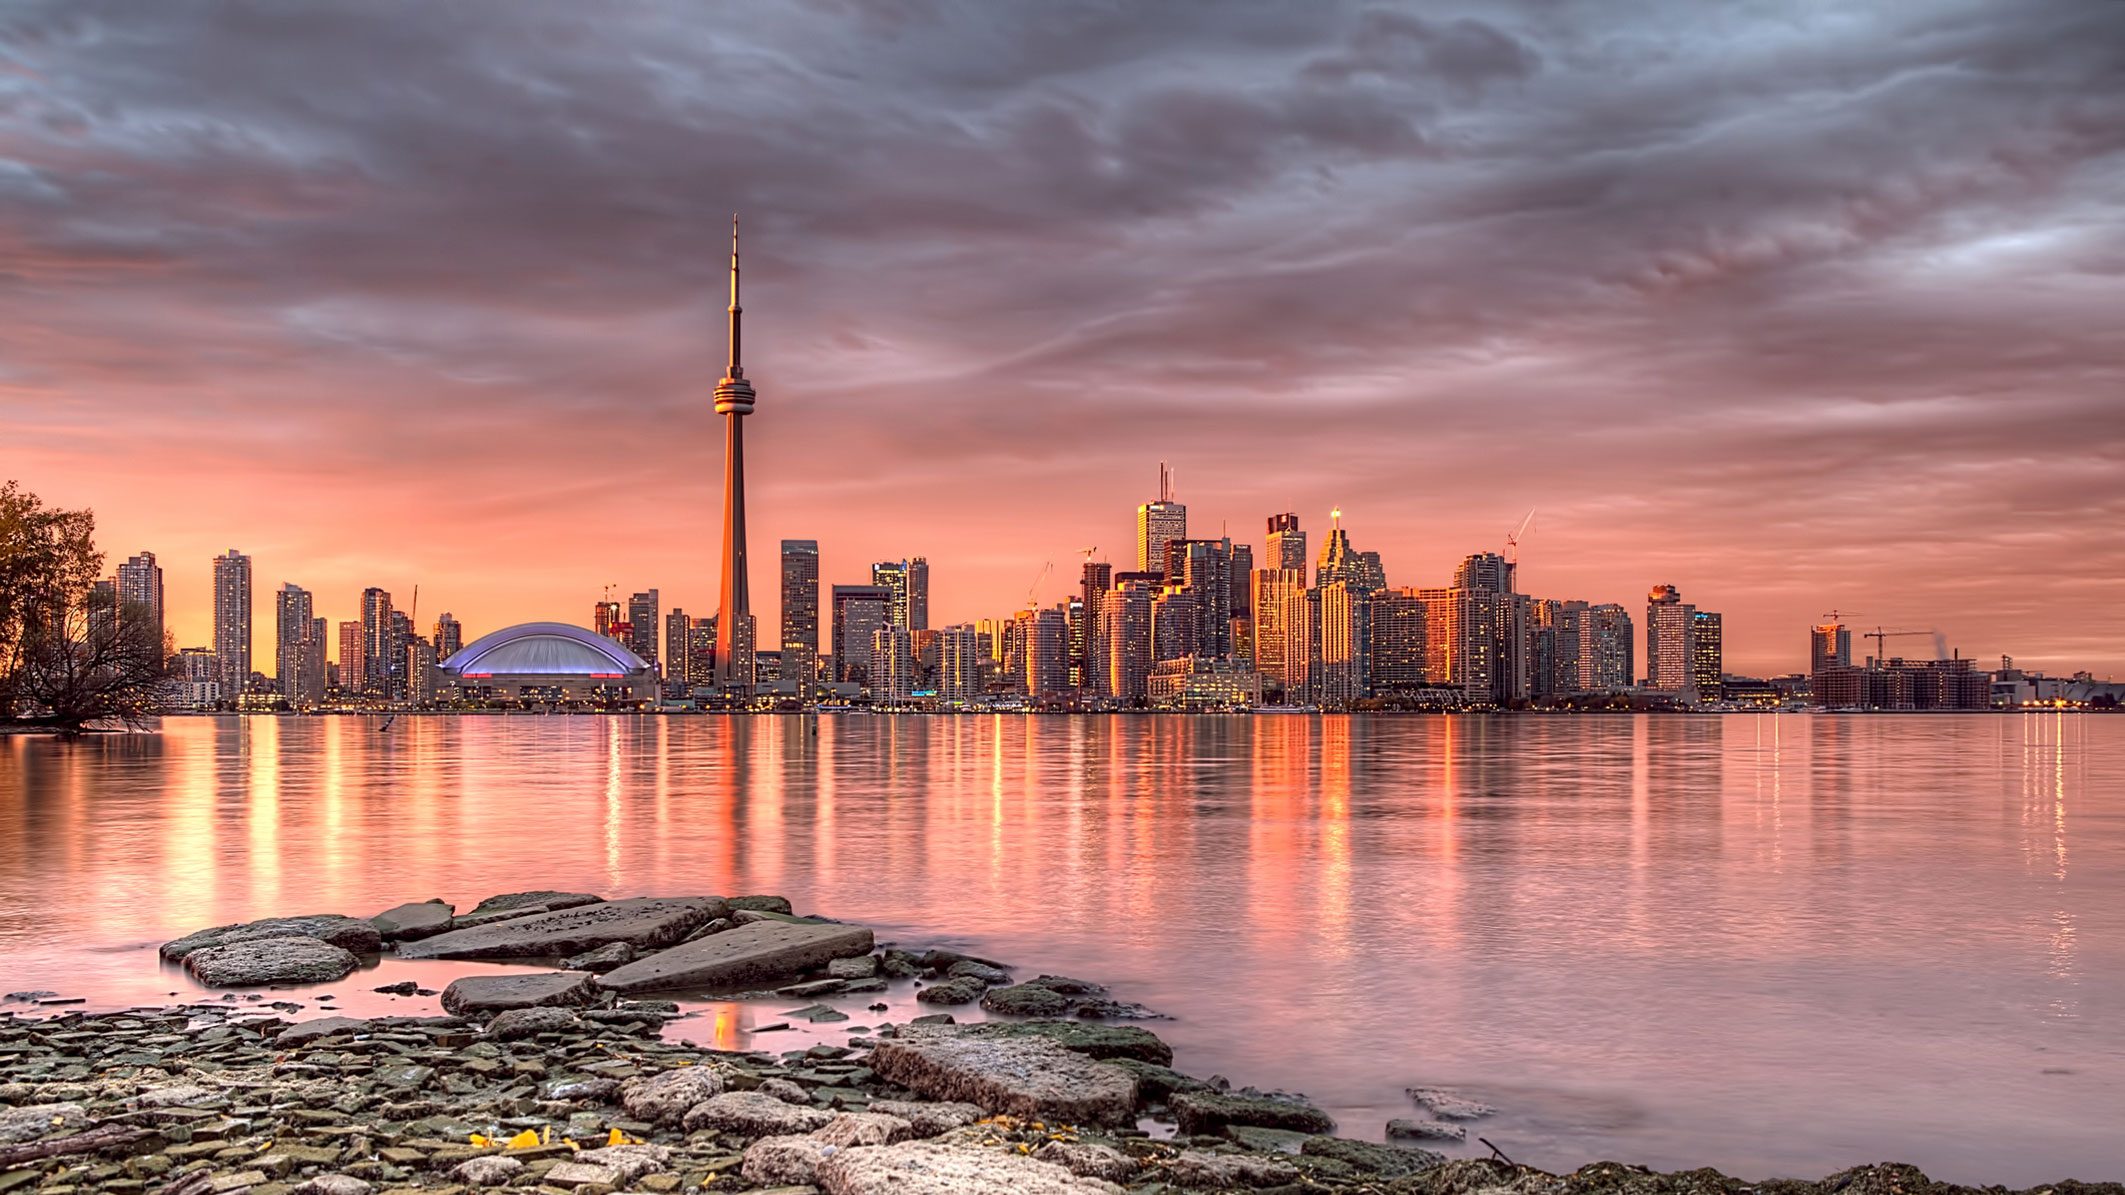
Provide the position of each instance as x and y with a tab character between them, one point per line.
1793	308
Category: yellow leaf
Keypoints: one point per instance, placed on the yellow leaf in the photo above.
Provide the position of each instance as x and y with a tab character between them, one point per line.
524	1140
480	1140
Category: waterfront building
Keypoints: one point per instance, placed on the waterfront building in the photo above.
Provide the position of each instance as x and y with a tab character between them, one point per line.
449	636
198	678
1202	568
1270	589
1087	636
1557	644
1900	684
353	657
1345	641
1196	683
800	610
906	583
420	672
701	651
1286	548
678	659
1047	640
1829	647
547	663
1398	637
1239	589
232	621
959	666
1299	618
1158	523
139	585
401	639
1341	562
606	617
858	611
1707	655
1668	656
1174	620
1609	664
642	628
918	571
734	401
298	647
376	642
890	672
1126	611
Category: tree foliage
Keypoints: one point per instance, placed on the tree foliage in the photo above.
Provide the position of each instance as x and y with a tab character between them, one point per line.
68	657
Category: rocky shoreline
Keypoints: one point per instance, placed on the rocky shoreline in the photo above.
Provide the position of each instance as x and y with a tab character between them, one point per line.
564	1079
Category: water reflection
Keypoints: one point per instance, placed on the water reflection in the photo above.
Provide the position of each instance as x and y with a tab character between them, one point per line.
1648	936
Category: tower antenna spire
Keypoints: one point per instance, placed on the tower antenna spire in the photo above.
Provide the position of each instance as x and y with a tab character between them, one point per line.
737	313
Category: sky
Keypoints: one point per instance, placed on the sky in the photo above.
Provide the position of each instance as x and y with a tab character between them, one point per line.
1796	306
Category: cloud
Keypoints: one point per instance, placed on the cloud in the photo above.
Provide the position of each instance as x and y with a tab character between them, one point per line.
1796	309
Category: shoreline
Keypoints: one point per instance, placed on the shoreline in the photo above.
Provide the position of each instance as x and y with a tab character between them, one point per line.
1067	1090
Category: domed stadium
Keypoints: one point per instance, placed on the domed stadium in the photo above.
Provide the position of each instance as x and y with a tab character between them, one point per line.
548	662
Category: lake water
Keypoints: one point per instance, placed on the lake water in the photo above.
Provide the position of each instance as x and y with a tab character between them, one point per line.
1774	944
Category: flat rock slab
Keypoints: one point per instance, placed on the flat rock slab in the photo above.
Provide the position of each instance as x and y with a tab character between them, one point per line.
347	933
948	1168
647	923
1029	1077
545	899
304	1032
1096	1041
260	961
423	919
476	994
1210	1111
760	953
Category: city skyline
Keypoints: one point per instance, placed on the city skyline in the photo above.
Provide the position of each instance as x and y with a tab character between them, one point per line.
1340	257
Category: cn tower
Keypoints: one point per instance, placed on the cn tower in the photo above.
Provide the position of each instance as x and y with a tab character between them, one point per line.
734	401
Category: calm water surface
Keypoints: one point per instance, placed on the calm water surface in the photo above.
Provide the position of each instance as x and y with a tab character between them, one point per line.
1778	945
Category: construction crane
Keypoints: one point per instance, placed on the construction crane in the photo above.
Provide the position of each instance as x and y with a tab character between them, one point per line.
1841	615
1512	541
1088	553
1033	590
1880	637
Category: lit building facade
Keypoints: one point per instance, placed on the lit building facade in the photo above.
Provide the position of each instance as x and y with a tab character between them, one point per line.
232	622
859	611
1159	523
642	624
139	585
1669	660
1707	654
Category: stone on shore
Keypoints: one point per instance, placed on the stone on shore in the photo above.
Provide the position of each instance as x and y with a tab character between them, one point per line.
751	1114
1087	1160
603	959
1424	1130
952	992
1208	1112
948	1168
476	994
515	1024
758	953
1027	1000
259	961
302	1033
36	1120
967	968
491	1171
423	919
1387	1161
1201	1168
862	966
1029	1077
663	1098
784	1161
547	900
348	933
852	1129
928	1118
762	904
630	1161
1096	1041
647	923
1450	1105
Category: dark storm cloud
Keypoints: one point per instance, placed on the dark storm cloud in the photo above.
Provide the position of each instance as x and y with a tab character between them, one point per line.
1702	279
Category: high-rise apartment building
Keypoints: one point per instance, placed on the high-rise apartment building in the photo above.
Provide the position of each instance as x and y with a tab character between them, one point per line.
607	617
1240	591
800	609
1608	663
1047	654
918	571
449	636
376	642
1157	523
1829	649
1668	656
643	622
140	591
890	671
858	612
1271	587
899	578
1286	548
959	661
353	657
678	662
1300	621
1707	654
232	622
402	639
1087	633
1175	619
1126	614
1397	641
1556	635
1345	644
298	659
1203	569
701	651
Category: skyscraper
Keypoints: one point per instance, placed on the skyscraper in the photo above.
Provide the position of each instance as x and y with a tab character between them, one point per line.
959	665
892	576
1287	545
449	636
1088	638
1707	654
376	643
1126	613
1345	644
402	639
1174	623
1158	522
1271	587
919	594
642	628
858	611
140	590
1667	643
1612	645
800	601
1047	654
232	622
678	668
606	618
1829	649
1398	634
1203	569
292	649
890	674
353	657
734	401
